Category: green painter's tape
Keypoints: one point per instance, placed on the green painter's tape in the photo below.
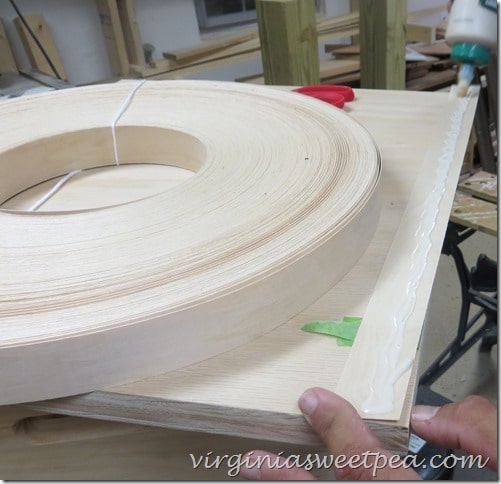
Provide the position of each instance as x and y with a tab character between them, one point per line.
344	342
345	330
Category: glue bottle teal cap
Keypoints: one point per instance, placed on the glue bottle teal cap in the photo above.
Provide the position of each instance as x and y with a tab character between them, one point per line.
466	52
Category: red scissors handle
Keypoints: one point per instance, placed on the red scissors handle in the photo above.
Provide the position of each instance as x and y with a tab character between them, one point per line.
334	94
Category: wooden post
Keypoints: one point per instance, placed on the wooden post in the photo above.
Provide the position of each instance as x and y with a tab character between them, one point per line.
289	45
131	33
7	61
382	43
113	36
355	7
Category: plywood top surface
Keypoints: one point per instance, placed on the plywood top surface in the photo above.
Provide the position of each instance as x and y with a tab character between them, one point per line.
253	389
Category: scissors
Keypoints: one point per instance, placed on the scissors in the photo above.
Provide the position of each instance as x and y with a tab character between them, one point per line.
335	94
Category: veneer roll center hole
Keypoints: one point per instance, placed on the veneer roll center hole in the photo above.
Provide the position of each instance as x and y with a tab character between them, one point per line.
152	160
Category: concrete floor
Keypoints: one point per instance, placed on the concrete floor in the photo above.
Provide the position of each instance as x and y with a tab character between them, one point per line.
475	373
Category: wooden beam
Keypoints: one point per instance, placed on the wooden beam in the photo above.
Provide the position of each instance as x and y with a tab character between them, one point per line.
355	7
421	33
131	33
113	36
211	47
37	60
289	45
382	43
7	61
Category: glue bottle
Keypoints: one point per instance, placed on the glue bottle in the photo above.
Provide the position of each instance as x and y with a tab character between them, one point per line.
472	33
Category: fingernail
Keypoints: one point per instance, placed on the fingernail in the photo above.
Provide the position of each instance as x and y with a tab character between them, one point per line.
307	403
421	413
251	468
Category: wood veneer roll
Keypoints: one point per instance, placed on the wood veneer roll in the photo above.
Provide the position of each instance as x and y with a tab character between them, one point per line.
283	202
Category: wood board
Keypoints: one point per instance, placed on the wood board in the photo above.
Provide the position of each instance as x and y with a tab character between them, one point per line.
253	390
7	61
475	213
39	27
482	185
243	238
111	26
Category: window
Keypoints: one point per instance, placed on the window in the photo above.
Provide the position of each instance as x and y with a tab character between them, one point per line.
220	13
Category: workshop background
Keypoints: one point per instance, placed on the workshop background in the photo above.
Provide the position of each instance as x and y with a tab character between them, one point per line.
167	26
87	44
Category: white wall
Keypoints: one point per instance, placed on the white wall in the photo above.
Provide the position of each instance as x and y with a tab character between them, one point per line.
77	33
166	24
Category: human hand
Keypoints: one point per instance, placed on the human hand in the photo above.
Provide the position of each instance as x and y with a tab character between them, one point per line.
469	425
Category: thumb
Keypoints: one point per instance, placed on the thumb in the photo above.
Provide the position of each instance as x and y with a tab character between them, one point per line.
358	453
469	425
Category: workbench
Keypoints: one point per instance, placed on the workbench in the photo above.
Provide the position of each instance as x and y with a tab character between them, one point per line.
474	209
246	398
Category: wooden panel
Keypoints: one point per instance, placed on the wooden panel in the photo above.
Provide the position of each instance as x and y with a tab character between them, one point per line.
420	33
382	43
41	30
482	185
93	450
253	297
131	33
7	61
113	36
387	345
210	47
475	213
253	390
289	46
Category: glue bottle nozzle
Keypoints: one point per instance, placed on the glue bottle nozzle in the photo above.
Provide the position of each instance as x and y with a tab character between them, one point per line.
465	77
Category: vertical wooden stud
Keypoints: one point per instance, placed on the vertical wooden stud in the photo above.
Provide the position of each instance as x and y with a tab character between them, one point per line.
289	44
131	33
382	43
355	7
7	61
113	36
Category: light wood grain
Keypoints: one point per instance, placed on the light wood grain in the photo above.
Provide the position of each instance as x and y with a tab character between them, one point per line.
180	276
7	61
130	30
253	390
475	213
88	449
420	33
482	185
395	329
113	36
41	30
210	47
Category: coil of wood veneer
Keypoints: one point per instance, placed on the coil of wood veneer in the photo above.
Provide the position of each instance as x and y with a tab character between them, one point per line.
283	202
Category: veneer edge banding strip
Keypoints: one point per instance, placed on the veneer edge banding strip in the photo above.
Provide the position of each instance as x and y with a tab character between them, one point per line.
285	199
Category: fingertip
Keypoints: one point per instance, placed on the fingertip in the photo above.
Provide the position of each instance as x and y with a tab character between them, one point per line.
316	398
308	402
421	413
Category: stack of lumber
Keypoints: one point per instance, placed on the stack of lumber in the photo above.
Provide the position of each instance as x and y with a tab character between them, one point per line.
232	49
245	45
436	72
